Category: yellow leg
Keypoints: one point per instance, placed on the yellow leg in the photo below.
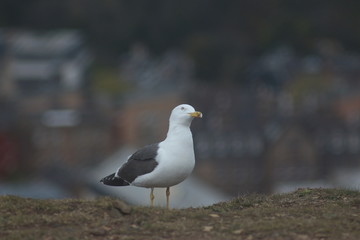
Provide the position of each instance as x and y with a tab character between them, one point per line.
152	197
167	197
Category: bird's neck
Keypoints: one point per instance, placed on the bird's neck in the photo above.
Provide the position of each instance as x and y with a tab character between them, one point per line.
179	132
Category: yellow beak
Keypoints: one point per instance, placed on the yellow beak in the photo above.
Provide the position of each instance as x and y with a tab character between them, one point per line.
196	114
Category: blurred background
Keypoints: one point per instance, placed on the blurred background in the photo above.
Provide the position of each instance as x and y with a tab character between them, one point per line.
84	83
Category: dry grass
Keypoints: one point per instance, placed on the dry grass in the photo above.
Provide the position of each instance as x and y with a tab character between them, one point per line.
303	214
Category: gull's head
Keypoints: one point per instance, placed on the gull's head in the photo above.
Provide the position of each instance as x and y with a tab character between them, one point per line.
184	114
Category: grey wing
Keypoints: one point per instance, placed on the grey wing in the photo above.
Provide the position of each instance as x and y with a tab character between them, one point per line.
141	162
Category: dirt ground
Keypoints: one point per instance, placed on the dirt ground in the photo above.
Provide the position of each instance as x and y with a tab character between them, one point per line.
301	215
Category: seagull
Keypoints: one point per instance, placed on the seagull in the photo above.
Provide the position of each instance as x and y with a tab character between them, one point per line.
163	164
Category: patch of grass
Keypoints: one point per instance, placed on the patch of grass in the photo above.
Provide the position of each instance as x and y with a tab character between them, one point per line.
303	214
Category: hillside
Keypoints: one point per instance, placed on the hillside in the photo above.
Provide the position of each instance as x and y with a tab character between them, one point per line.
303	214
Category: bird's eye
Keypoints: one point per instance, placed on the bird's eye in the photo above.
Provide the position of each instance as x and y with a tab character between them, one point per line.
182	108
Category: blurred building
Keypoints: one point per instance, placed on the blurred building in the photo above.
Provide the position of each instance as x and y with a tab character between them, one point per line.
44	90
43	69
295	123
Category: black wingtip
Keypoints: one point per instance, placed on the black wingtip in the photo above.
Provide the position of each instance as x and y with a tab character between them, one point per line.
113	180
